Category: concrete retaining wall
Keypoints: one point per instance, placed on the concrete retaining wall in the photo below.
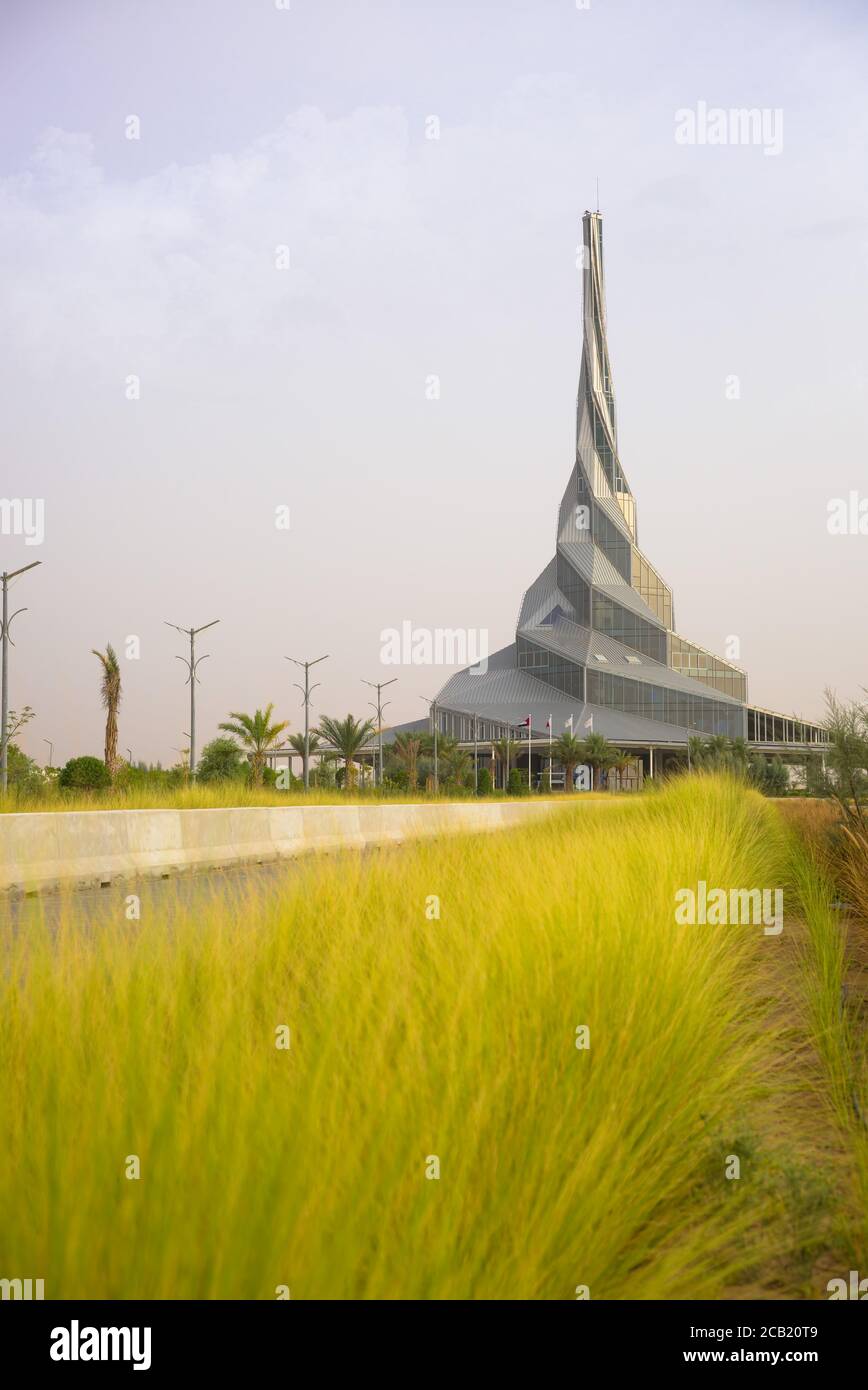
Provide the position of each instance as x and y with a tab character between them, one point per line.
82	848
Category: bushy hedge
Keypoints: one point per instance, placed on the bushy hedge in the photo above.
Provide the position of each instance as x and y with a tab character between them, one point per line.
85	774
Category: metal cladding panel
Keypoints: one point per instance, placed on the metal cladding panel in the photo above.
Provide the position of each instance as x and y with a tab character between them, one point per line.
542	596
626	595
580	556
581	644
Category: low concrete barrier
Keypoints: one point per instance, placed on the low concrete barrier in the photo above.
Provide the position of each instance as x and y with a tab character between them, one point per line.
83	848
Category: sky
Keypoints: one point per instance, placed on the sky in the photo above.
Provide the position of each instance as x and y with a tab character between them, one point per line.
240	239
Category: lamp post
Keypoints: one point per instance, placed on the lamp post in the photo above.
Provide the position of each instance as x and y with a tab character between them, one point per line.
476	753
433	707
4	681
191	663
379	707
50	751
306	691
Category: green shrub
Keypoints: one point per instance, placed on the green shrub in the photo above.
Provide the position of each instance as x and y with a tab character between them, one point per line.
221	761
517	783
85	774
23	773
484	784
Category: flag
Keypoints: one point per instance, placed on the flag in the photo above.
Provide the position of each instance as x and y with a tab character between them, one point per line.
569	724
549	723
589	723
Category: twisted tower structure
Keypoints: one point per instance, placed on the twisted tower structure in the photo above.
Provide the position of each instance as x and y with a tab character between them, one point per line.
595	639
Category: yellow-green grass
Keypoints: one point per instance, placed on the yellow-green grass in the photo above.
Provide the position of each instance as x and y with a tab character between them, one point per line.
206	795
834	964
415	1037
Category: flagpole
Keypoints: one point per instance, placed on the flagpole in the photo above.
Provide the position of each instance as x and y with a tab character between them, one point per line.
529	781
551	720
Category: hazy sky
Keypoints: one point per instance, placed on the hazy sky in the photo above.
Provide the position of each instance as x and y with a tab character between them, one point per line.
259	387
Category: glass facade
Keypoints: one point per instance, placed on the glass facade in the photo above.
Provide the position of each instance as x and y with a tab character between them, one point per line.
649	586
613	543
702	666
765	727
574	588
669	706
627	627
604	449
555	670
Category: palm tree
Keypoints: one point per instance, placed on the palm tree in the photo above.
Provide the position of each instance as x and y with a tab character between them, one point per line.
110	689
407	748
257	734
346	737
599	754
314	743
619	764
570	751
454	759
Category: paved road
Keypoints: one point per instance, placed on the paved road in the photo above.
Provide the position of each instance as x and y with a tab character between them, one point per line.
105	905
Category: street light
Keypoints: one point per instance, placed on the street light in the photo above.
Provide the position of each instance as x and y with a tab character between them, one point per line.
379	707
4	681
433	705
191	664
130	751
50	751
306	692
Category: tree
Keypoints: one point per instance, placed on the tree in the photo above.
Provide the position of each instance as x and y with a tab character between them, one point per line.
619	764
600	755
406	748
570	751
85	774
846	726
454	762
346	737
221	761
777	781
23	773
15	721
257	734
110	689
314	743
484	785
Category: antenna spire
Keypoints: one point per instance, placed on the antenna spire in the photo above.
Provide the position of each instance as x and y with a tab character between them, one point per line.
598	193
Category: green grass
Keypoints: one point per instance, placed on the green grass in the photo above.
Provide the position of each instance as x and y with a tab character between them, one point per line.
204	796
411	1038
837	1012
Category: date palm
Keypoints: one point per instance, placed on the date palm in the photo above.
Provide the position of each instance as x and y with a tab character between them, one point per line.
314	744
600	755
570	751
257	734
407	748
110	689
346	737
